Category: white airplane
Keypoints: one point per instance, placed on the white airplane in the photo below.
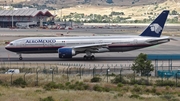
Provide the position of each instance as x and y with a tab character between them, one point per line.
67	47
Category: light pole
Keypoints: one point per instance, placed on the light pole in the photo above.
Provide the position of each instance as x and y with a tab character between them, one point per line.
107	73
61	9
94	71
80	71
68	72
12	14
177	78
5	4
121	74
61	12
52	70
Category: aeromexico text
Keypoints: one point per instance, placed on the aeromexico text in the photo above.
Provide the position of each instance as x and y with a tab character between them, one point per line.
41	41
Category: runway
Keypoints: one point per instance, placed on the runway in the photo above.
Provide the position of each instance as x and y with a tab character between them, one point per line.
172	47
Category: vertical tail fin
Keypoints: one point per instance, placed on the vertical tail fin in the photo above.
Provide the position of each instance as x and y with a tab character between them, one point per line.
156	27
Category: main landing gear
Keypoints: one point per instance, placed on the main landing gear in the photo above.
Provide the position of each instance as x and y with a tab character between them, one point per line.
20	57
89	56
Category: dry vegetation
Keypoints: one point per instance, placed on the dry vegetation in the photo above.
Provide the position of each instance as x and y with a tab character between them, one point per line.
34	94
112	92
136	12
124	92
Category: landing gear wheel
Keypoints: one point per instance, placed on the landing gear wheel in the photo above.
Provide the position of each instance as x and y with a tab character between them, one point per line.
89	57
92	57
85	57
20	58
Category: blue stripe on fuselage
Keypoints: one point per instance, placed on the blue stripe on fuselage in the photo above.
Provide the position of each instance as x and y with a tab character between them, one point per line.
33	49
54	49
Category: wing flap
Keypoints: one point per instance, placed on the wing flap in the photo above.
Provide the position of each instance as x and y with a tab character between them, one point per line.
88	45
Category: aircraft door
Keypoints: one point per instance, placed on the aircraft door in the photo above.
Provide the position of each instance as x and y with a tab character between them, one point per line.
20	44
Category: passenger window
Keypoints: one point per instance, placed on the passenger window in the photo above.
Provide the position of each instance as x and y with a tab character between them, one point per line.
11	43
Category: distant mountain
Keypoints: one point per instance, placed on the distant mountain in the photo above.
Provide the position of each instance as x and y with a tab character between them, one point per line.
131	9
109	2
71	3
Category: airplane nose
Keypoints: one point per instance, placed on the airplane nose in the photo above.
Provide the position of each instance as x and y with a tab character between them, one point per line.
7	47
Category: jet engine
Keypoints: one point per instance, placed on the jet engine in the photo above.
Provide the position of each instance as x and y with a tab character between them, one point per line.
66	52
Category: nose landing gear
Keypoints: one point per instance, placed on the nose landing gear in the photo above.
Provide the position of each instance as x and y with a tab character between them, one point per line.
20	57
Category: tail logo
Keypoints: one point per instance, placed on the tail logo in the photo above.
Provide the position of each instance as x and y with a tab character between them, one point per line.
156	28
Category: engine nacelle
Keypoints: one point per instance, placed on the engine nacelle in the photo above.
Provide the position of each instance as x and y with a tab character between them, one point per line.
66	52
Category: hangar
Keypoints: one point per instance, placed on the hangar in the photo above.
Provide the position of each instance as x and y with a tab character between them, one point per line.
10	18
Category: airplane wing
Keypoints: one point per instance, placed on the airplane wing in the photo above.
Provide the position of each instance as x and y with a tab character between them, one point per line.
91	45
98	47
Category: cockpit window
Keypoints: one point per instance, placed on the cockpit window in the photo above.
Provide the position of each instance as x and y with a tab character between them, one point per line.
11	44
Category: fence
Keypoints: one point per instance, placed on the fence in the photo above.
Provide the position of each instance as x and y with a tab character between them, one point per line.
36	73
62	68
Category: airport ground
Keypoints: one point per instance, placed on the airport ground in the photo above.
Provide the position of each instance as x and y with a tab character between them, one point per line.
107	59
111	59
8	35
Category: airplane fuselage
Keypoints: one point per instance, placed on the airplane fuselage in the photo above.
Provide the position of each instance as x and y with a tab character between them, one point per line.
52	44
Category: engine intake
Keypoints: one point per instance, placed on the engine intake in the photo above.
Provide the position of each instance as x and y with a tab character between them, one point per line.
66	52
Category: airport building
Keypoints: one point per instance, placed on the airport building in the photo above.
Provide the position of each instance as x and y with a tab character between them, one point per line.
14	18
